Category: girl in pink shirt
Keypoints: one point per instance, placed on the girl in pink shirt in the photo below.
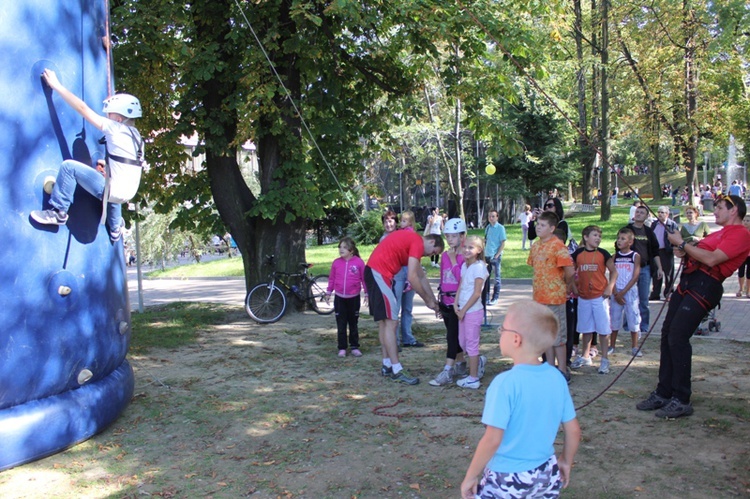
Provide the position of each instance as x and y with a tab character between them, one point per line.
347	280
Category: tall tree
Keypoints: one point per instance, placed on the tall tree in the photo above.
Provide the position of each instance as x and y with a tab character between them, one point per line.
678	53
338	66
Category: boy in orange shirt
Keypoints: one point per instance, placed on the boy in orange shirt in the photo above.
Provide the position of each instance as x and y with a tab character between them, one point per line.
594	289
552	281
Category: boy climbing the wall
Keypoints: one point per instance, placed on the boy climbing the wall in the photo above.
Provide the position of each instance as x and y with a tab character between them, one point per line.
118	179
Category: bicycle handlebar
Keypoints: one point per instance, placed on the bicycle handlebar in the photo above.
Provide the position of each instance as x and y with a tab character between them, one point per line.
270	260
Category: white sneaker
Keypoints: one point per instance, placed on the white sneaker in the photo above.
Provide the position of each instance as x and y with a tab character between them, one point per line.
467	383
610	350
580	362
637	353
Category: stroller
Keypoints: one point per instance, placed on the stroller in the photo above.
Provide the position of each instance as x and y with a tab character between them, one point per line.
709	323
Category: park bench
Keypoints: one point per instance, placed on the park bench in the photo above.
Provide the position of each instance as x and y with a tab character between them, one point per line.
582	208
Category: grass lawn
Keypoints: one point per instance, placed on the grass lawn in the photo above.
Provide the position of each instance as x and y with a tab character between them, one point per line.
226	408
514	259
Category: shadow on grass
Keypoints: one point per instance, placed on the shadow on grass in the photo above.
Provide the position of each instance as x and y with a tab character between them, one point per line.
173	325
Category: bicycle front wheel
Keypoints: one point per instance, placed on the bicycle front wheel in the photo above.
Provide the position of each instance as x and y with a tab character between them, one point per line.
265	303
316	295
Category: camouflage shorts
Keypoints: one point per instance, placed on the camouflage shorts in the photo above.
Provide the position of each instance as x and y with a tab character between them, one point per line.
543	481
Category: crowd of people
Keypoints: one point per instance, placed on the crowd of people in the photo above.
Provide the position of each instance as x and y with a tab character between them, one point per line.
583	295
681	195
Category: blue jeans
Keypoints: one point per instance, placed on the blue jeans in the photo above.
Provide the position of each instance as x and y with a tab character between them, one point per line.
644	290
73	173
494	265
406	300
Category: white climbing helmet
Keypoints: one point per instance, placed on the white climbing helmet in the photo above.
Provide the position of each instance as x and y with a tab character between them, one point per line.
454	226
124	104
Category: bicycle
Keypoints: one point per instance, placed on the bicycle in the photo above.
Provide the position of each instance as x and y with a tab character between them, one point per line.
267	302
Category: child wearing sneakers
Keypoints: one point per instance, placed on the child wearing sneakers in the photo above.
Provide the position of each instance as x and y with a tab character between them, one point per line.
469	310
347	280
624	297
523	410
594	289
552	280
115	181
450	277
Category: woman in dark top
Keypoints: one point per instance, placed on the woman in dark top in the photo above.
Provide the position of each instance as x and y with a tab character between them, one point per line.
554	205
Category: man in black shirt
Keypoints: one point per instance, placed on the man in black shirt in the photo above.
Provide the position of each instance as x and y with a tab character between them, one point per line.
647	246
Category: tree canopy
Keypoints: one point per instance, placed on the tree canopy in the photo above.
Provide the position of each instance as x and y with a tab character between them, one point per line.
328	90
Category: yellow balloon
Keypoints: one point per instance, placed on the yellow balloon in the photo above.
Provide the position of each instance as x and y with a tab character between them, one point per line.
490	169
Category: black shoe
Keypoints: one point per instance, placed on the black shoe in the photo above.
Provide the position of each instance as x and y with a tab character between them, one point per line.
674	409
654	401
386	371
416	344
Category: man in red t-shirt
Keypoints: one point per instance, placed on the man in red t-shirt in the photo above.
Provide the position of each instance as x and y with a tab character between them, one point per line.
399	249
707	264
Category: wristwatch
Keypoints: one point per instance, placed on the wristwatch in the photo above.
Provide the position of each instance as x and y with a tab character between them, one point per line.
681	246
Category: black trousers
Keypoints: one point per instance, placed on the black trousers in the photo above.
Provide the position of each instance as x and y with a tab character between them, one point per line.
450	319
696	295
571	320
667	266
347	313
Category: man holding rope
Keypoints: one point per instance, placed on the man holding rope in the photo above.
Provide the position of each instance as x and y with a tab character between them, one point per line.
706	266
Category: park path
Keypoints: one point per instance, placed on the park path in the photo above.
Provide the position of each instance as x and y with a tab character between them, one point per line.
734	314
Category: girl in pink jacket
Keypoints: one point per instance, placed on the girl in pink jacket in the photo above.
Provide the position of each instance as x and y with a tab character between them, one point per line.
347	280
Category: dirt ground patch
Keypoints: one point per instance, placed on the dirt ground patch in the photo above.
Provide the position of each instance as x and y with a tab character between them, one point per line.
270	411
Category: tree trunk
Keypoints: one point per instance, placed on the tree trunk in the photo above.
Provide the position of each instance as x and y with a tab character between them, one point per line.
691	97
459	163
255	235
584	149
604	134
594	159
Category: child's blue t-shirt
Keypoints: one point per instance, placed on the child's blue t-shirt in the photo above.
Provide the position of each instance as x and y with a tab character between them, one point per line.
529	403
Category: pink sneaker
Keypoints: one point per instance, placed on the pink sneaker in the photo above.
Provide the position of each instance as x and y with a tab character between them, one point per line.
356	352
342	353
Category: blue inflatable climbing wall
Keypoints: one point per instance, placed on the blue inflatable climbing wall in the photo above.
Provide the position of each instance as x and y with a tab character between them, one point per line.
64	311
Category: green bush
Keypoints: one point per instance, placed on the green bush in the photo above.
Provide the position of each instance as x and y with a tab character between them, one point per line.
369	229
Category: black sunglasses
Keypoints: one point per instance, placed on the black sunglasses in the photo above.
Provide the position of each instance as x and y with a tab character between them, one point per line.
549	205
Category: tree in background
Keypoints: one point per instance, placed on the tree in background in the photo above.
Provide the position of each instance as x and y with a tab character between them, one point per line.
340	65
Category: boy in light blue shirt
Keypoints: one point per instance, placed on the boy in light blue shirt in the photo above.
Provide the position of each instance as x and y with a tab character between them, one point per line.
523	410
494	243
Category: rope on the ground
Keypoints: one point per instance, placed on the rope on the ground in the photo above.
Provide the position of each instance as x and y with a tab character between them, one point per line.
379	411
155	379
